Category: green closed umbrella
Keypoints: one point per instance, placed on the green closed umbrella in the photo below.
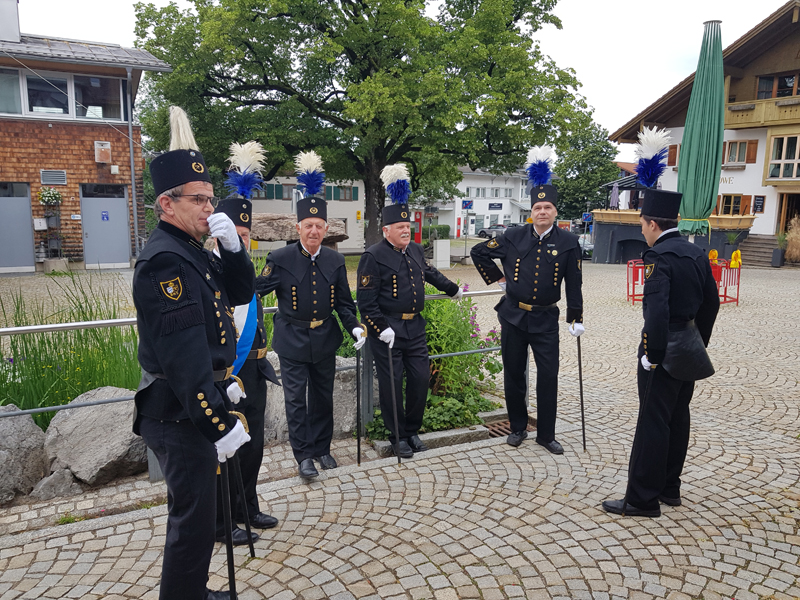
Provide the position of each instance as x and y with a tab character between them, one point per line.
700	161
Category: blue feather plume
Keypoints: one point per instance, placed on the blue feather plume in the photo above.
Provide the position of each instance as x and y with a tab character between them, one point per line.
399	191
539	173
243	183
311	182
648	170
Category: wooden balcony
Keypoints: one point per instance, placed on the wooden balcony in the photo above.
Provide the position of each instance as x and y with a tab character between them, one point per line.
762	113
631	217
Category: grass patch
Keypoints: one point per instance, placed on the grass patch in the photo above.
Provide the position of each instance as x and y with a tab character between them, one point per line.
70	518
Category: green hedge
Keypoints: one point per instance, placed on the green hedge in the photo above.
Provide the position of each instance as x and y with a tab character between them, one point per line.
442	230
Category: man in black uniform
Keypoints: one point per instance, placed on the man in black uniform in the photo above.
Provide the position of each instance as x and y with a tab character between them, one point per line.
187	342
254	370
310	282
535	259
391	294
679	306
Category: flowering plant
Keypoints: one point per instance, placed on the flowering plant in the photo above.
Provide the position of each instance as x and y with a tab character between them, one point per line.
49	196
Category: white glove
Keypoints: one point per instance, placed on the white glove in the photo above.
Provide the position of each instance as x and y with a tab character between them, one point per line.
229	444
646	363
361	339
221	227
458	295
502	285
387	335
576	329
235	392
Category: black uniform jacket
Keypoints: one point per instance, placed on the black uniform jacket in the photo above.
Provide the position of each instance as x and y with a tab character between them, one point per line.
183	296
534	268
678	287
308	291
391	283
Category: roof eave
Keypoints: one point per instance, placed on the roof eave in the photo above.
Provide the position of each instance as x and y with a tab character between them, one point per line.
97	63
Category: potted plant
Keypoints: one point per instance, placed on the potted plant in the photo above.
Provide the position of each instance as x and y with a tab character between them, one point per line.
50	198
730	245
778	253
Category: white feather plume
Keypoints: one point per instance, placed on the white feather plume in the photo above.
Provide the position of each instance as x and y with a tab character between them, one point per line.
651	142
247	157
308	162
392	173
181	136
539	153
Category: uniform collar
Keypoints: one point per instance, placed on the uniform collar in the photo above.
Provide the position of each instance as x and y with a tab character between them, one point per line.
668	235
395	248
180	234
544	235
308	254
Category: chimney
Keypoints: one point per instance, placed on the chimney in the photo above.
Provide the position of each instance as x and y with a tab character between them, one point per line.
9	21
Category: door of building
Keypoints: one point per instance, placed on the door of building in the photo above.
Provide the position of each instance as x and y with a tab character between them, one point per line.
789	208
106	226
16	229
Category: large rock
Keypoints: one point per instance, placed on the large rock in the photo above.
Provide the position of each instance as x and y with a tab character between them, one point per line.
271	227
60	483
96	443
21	454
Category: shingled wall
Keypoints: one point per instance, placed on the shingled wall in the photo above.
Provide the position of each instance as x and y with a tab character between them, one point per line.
28	145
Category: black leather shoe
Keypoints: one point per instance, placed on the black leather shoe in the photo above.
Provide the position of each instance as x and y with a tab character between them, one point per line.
326	461
553	447
516	437
263	521
217	595
307	469
416	444
239	536
403	450
615	506
670	501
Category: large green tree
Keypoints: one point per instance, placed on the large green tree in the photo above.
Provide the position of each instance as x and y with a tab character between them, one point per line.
585	162
366	83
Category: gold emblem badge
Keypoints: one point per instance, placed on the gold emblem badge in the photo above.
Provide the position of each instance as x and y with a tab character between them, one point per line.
197	167
492	243
313	210
172	289
541	195
648	270
365	280
404	215
244	217
267	270
555	253
217	295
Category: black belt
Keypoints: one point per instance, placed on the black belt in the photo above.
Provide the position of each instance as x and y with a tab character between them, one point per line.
307	324
532	307
220	375
260	353
401	316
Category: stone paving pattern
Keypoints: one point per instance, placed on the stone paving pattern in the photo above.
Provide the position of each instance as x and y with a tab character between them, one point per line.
485	520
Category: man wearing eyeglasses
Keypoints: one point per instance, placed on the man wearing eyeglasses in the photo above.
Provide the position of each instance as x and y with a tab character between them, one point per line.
187	345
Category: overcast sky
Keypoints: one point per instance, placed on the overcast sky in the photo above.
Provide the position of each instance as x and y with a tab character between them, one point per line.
626	54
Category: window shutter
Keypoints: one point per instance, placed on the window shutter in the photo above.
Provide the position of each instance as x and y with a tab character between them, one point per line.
744	206
672	155
328	192
278	192
752	151
337	193
355	193
719	200
269	191
724	149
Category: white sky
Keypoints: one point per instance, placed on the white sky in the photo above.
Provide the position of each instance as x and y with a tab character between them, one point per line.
626	54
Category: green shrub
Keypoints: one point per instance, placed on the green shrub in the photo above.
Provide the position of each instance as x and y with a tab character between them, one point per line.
443	231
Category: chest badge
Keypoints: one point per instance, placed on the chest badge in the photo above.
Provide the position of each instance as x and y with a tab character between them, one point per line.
172	289
217	295
648	270
554	252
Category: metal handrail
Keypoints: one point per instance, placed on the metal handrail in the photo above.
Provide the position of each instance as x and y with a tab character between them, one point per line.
132	320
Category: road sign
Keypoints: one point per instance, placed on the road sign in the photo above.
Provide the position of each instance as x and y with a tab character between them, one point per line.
586	218
466	204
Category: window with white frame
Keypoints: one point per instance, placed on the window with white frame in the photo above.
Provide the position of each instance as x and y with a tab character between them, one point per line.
496	192
737	152
509	192
783	161
48	95
10	94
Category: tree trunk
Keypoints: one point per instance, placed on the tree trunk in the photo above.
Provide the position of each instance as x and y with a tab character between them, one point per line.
374	199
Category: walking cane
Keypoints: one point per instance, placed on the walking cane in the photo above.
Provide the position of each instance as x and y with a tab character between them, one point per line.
580	381
636	434
358	406
226	511
394	405
237	473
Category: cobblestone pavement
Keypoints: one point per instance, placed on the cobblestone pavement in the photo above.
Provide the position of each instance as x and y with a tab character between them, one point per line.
485	520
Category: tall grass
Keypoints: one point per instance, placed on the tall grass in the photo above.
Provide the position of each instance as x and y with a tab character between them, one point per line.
50	369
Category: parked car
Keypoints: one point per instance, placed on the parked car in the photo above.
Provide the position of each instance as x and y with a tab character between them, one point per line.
587	247
491	231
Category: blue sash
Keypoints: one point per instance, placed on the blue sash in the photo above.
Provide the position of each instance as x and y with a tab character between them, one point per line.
246	336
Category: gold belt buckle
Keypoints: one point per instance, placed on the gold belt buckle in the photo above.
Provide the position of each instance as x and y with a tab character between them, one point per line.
316	323
408	316
229	372
528	307
262	352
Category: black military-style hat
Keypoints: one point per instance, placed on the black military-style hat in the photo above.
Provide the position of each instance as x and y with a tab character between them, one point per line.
313	206
661	204
240	210
396	213
544	193
177	167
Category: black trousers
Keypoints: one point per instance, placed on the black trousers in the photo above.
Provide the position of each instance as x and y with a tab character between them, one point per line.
250	454
514	343
662	438
308	395
189	463
410	354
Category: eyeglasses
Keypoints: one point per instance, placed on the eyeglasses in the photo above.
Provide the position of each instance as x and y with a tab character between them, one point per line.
201	199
